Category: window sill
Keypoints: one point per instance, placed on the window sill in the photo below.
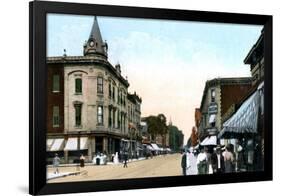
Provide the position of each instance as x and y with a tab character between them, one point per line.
78	126
56	91
77	93
56	126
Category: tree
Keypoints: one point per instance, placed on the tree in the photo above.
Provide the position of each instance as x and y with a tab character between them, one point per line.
156	125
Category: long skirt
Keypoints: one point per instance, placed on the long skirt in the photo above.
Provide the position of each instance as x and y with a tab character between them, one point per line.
228	166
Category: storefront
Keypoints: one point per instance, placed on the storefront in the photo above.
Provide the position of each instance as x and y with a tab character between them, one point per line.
244	129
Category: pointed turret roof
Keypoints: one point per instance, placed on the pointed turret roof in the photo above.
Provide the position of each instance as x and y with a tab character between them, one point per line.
95	44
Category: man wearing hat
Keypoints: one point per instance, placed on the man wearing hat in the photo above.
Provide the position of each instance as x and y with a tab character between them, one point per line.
217	161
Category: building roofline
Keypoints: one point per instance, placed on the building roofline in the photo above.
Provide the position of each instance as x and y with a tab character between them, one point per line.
258	43
223	81
68	60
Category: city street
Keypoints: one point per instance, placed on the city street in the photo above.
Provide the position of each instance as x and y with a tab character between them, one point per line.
168	165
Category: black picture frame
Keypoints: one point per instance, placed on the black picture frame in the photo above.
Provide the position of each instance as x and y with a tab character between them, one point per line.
38	94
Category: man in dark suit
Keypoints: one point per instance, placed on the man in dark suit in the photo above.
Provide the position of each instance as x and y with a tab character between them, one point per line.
217	161
183	163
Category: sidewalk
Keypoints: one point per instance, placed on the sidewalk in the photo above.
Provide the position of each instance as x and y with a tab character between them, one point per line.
92	164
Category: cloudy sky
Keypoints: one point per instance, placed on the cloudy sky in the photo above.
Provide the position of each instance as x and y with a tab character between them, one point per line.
167	62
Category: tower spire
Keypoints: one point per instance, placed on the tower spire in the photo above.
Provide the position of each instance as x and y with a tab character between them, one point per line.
95	44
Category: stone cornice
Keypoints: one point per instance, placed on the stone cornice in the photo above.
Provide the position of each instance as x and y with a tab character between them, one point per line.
86	60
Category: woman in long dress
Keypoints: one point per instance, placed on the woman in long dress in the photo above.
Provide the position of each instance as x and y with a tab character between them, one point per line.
228	160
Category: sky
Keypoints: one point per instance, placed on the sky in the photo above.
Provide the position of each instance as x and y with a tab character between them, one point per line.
167	62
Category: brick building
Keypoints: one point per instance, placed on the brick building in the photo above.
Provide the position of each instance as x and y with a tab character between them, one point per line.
218	96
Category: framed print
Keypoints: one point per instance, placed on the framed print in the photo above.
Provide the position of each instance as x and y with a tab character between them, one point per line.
131	97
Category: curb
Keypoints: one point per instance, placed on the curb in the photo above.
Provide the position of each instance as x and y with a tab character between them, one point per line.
64	175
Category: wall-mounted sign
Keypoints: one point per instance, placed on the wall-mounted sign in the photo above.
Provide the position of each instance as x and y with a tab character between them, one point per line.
213	108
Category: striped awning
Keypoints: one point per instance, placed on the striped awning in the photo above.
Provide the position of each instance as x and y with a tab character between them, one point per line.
245	120
72	144
209	141
57	145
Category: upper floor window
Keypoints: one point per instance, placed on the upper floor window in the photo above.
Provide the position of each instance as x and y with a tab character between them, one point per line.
78	85
100	115
56	116
109	90
100	85
113	93
109	117
119	98
78	114
56	83
213	95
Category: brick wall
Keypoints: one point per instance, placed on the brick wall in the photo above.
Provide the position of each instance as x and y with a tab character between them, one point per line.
232	94
55	99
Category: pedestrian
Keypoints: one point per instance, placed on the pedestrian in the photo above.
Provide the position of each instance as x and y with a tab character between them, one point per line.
228	159
202	162
56	163
125	160
82	160
240	157
217	161
183	163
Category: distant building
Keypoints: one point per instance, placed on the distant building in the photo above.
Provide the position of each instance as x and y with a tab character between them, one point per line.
219	95
89	107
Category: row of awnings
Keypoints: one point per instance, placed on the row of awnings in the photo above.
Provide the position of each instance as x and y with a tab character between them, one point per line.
155	147
245	120
71	144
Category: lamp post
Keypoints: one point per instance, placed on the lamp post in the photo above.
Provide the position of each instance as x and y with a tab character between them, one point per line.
78	142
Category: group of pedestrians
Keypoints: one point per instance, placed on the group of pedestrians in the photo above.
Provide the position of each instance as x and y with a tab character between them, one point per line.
56	162
208	163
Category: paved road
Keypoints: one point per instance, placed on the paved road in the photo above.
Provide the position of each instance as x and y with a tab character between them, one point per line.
168	165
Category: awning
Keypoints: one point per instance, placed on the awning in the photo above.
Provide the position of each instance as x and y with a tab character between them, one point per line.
148	147
211	140
49	144
72	143
244	121
155	147
212	118
57	145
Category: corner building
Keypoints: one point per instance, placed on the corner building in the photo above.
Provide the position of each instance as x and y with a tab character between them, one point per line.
87	102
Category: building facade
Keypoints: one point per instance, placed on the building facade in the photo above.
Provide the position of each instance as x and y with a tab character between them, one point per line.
89	107
218	96
245	125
